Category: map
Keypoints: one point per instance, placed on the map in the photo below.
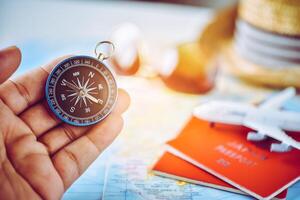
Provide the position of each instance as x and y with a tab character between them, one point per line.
156	115
131	180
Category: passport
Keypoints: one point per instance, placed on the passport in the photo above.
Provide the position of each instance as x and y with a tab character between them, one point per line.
174	167
223	151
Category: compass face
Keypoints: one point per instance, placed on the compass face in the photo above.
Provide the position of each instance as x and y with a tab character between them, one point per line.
81	90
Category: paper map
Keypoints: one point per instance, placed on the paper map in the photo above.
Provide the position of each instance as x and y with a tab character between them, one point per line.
122	172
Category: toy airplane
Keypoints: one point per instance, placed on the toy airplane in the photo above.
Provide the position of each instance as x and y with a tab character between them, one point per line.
266	119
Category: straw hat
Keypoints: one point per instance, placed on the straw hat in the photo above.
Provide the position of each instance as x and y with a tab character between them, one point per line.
265	46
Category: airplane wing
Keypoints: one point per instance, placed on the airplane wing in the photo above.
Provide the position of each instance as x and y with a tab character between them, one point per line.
273	132
223	112
277	100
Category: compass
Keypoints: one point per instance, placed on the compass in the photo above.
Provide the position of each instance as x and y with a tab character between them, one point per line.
81	90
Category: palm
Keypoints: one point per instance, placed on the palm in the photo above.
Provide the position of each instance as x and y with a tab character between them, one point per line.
41	156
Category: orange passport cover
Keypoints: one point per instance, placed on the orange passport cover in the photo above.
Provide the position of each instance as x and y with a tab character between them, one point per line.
223	150
172	166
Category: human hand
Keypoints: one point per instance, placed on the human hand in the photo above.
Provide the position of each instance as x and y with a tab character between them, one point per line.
40	155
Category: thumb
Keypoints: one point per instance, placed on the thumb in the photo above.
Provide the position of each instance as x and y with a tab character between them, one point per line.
10	59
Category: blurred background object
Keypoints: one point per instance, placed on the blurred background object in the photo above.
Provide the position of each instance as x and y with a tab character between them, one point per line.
127	39
201	3
266	45
264	50
189	66
197	63
192	72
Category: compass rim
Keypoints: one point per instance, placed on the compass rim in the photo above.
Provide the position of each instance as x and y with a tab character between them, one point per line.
71	122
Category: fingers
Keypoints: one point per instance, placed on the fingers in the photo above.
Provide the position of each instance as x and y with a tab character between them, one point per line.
31	160
62	135
10	59
122	103
27	89
46	118
72	161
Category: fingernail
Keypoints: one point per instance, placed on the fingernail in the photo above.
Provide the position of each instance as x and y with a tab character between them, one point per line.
12	52
10	59
9	48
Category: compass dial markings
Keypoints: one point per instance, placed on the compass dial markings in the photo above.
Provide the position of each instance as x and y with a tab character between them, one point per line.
86	83
91	89
73	94
77	100
91	84
100	87
79	84
82	81
89	101
84	100
74	83
82	93
80	102
73	98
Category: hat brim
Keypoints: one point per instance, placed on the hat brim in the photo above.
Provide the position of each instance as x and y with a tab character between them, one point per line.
280	77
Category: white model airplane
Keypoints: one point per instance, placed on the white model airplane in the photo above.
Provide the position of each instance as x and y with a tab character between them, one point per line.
267	119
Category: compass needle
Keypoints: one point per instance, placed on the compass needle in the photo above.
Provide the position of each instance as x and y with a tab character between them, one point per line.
95	100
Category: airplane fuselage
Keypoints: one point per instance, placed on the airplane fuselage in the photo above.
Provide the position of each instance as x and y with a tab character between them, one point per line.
286	120
237	113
